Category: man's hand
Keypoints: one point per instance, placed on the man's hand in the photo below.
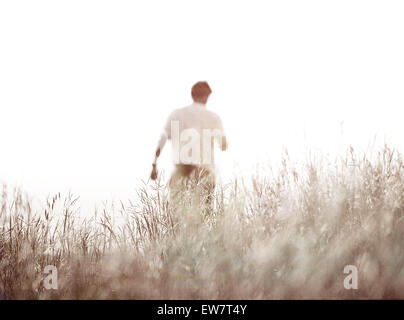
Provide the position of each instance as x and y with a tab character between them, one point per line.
224	143
153	174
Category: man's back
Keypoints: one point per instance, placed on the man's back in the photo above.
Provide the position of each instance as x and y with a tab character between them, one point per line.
193	130
196	116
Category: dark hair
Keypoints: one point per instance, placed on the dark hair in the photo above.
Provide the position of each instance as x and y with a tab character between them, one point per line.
200	91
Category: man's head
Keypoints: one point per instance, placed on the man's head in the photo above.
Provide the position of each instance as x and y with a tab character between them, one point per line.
200	92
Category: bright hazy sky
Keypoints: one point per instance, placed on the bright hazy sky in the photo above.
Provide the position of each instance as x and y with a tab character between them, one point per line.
85	86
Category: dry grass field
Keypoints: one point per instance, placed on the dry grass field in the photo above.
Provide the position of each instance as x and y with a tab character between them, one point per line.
281	234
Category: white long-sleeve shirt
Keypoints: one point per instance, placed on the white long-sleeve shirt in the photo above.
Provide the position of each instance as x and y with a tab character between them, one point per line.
193	130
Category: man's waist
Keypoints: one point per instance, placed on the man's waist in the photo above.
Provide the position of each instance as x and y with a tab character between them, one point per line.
187	169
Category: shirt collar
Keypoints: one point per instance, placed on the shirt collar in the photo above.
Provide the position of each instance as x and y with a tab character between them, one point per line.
198	104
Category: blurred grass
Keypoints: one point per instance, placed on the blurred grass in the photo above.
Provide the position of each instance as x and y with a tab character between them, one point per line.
282	234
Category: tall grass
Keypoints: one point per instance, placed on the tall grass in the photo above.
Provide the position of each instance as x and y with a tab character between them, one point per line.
287	233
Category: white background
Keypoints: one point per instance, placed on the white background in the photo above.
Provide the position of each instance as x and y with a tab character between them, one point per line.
85	86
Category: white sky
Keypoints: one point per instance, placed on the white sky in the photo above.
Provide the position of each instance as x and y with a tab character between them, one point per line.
85	86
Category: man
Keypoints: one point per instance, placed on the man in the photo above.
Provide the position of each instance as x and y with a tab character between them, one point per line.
193	131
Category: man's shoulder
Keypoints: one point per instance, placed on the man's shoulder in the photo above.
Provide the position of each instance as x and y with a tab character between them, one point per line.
181	112
189	111
214	116
176	112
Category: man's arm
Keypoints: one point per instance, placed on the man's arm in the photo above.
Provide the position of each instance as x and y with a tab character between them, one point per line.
222	140
224	143
163	139
160	146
